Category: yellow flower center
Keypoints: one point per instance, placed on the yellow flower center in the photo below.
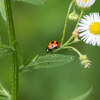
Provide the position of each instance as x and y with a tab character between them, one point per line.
95	28
85	1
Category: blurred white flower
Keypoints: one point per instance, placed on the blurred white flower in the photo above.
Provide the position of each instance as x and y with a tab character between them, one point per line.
85	3
89	28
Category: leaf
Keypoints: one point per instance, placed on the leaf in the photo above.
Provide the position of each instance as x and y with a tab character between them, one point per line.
49	61
27	62
4	53
4	49
2	10
83	96
36	2
4	92
20	55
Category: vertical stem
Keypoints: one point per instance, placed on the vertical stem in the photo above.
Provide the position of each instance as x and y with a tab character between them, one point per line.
12	39
82	10
64	31
71	38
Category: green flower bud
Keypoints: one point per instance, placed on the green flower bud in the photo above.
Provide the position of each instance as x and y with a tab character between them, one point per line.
73	16
84	61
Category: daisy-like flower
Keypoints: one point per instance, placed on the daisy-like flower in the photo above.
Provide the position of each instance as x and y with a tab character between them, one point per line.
89	28
85	3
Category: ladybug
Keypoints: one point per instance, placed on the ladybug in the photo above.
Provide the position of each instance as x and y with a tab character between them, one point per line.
52	45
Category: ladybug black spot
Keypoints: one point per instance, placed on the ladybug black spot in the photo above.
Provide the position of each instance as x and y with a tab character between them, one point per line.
57	42
52	42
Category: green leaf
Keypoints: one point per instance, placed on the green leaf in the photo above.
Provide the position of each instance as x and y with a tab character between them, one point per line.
2	10
4	50
4	92
20	55
48	61
84	95
36	2
4	53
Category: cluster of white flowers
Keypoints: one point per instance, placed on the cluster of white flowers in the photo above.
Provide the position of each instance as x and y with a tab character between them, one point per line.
89	26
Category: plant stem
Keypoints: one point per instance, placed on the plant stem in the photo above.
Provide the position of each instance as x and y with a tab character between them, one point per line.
82	10
12	39
73	42
71	38
64	31
58	49
74	49
68	42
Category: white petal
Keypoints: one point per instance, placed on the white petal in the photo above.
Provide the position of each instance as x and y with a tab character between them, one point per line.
85	33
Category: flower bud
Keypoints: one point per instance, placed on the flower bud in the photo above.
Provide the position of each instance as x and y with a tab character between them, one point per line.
84	61
73	16
75	34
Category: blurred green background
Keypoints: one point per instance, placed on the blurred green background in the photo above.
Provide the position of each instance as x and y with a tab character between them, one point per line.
36	26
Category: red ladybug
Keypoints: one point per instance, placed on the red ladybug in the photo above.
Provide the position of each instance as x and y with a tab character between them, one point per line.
52	45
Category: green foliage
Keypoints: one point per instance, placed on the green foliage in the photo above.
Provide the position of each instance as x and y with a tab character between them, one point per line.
2	9
36	2
48	61
20	55
4	50
83	96
4	93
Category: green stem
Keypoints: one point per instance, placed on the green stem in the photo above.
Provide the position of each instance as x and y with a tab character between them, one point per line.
64	31
12	39
58	49
68	42
82	10
71	38
73	42
74	49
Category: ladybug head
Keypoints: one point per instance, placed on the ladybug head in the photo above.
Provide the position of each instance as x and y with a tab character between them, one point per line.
48	50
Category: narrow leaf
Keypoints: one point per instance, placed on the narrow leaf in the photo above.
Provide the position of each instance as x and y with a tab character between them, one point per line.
4	92
20	55
36	2
2	9
4	53
4	49
49	61
83	96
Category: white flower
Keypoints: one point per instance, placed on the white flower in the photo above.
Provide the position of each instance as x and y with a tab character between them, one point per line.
85	3
89	28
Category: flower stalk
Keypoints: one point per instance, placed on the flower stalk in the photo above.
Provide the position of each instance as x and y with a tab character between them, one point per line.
64	31
71	38
74	49
69	41
82	10
12	39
